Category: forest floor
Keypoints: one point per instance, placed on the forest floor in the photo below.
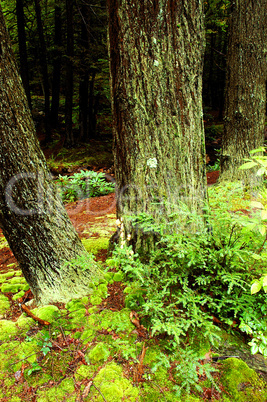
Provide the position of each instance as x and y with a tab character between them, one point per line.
71	368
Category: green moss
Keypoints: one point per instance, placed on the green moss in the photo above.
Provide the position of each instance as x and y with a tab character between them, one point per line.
25	323
116	320
95	299
18	295
17	280
4	304
113	386
99	353
12	287
6	275
47	313
241	382
88	335
85	372
8	329
8	354
3	242
118	276
93	245
75	304
78	318
59	393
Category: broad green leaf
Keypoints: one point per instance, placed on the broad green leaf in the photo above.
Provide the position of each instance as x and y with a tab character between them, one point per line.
262	230
256	257
255	287
264	281
254	349
264	214
261	149
248	165
256	204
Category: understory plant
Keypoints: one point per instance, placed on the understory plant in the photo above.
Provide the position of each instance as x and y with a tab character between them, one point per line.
82	185
191	280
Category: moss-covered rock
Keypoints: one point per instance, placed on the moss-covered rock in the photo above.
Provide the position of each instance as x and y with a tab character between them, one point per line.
24	323
64	391
113	385
47	313
8	330
99	353
242	383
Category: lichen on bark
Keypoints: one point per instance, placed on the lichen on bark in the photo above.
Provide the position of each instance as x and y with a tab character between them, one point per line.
156	59
32	216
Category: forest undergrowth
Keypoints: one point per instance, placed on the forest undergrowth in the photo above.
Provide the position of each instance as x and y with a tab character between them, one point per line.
154	327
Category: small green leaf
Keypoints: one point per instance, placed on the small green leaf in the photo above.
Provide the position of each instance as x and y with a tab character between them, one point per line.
248	165
254	349
255	287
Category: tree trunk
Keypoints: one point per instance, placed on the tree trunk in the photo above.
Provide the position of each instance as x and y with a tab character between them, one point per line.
24	71
44	69
156	58
56	68
32	216
69	140
245	99
84	76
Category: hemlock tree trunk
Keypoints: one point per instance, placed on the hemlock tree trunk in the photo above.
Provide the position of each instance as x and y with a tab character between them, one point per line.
24	71
245	99
32	216
156	57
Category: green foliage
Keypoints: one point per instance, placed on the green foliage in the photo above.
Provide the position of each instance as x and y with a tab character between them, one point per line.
189	278
188	371
83	185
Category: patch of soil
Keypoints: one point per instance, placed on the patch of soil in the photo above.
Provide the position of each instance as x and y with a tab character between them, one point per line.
212	177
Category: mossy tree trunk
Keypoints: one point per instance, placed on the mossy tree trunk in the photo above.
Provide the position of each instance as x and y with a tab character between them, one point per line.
156	58
245	99
32	216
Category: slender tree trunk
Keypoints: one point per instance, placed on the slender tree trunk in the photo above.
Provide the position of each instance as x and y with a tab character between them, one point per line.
56	68
69	140
84	76
44	69
156	59
24	71
245	99
32	216
92	106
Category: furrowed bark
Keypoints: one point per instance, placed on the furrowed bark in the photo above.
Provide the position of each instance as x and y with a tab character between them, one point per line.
156	59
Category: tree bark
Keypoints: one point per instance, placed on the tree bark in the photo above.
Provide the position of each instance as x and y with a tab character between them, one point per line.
32	216
56	68
24	71
156	59
245	99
